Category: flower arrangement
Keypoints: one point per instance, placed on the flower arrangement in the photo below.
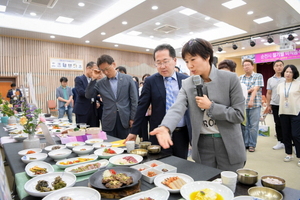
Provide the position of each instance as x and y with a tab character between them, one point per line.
30	118
6	108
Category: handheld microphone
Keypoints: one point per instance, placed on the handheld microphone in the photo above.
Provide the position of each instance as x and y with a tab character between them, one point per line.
199	86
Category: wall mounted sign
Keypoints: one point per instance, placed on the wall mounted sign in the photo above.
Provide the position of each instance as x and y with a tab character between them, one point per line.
66	64
277	55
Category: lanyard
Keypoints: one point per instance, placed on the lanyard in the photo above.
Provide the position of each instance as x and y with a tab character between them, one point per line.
286	94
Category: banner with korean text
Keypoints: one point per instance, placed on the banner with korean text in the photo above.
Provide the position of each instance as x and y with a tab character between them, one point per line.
277	55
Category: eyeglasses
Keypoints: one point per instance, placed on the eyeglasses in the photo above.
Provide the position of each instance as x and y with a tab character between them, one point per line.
105	69
164	63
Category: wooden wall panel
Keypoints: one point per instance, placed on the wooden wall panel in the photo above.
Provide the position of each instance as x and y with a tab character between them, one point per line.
22	56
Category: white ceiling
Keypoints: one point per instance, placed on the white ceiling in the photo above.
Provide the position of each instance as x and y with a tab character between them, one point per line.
99	16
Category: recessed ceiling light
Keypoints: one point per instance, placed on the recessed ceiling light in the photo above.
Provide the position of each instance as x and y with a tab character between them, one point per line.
87	41
191	32
2	8
297	42
116	45
151	36
249	12
134	33
188	11
33	14
81	4
52	36
124	22
263	20
263	40
64	19
243	47
207	18
154	7
296	39
295	4
233	4
147	50
157	23
103	33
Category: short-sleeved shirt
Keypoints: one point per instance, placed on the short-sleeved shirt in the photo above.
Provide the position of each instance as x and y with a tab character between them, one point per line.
289	94
64	93
256	79
272	85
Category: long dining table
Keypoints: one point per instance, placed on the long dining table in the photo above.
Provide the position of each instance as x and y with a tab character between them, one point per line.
197	171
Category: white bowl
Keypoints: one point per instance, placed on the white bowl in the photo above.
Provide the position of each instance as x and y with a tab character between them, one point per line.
41	164
155	193
243	198
25	151
165	168
34	157
29	186
102	145
59	154
150	179
53	147
115	160
85	193
140	167
101	154
71	145
74	161
20	137
188	188
83	150
154	163
94	141
86	169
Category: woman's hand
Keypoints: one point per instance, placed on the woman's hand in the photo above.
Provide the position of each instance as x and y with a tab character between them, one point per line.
130	137
203	102
163	136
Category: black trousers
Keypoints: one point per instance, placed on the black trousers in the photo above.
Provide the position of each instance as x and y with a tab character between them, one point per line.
277	122
119	131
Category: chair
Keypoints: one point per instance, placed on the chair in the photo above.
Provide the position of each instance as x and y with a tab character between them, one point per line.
52	107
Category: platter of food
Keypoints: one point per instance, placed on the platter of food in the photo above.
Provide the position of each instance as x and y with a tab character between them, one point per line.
43	185
87	168
192	191
29	151
115	178
71	145
153	194
172	181
108	152
74	193
126	159
102	145
75	161
34	157
94	141
55	147
37	168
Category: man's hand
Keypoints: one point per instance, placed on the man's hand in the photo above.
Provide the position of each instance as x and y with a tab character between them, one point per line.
130	123
163	136
268	109
250	104
130	137
96	73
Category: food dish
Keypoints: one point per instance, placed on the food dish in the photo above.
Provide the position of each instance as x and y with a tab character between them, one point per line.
103	163
96	179
93	130
30	185
26	151
41	164
99	152
150	174
191	187
71	145
60	154
274	182
55	147
20	137
93	141
165	168
140	167
102	145
75	161
34	157
155	193
81	193
115	160
160	178
265	193
83	150
154	163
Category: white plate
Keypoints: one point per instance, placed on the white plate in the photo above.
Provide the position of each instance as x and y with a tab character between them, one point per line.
83	150
102	145
162	177
93	141
99	152
76	193
20	137
39	164
71	145
24	152
103	163
93	157
188	188
34	157
114	160
49	148
155	193
60	154
29	186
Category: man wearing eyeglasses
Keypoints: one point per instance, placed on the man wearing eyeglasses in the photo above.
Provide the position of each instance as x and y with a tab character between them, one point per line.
155	92
119	97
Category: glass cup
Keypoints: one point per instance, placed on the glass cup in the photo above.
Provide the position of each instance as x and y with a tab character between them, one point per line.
130	145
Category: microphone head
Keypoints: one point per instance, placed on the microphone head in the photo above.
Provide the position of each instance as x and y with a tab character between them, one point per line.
197	80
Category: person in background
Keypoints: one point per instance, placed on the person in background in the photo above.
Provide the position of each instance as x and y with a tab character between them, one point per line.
273	101
85	108
65	99
156	92
177	69
217	139
119	96
289	111
254	82
14	94
99	103
121	69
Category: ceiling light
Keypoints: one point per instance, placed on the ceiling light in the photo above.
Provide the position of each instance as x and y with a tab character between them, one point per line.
157	23
64	19
220	49
147	50
263	40
151	36
81	4
52	36
116	45
243	47
2	8
103	33
33	14
297	42
154	7
296	39
234	46
191	33
134	33
270	39
87	41
290	37
207	18
249	12
252	43
124	22
263	20
233	4
295	4
188	11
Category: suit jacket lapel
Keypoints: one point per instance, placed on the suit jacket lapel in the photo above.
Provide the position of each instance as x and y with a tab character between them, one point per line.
160	85
179	80
120	83
108	88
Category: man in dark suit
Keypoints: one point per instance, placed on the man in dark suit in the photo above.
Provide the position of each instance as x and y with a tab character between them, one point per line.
14	94
119	97
85	108
154	93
